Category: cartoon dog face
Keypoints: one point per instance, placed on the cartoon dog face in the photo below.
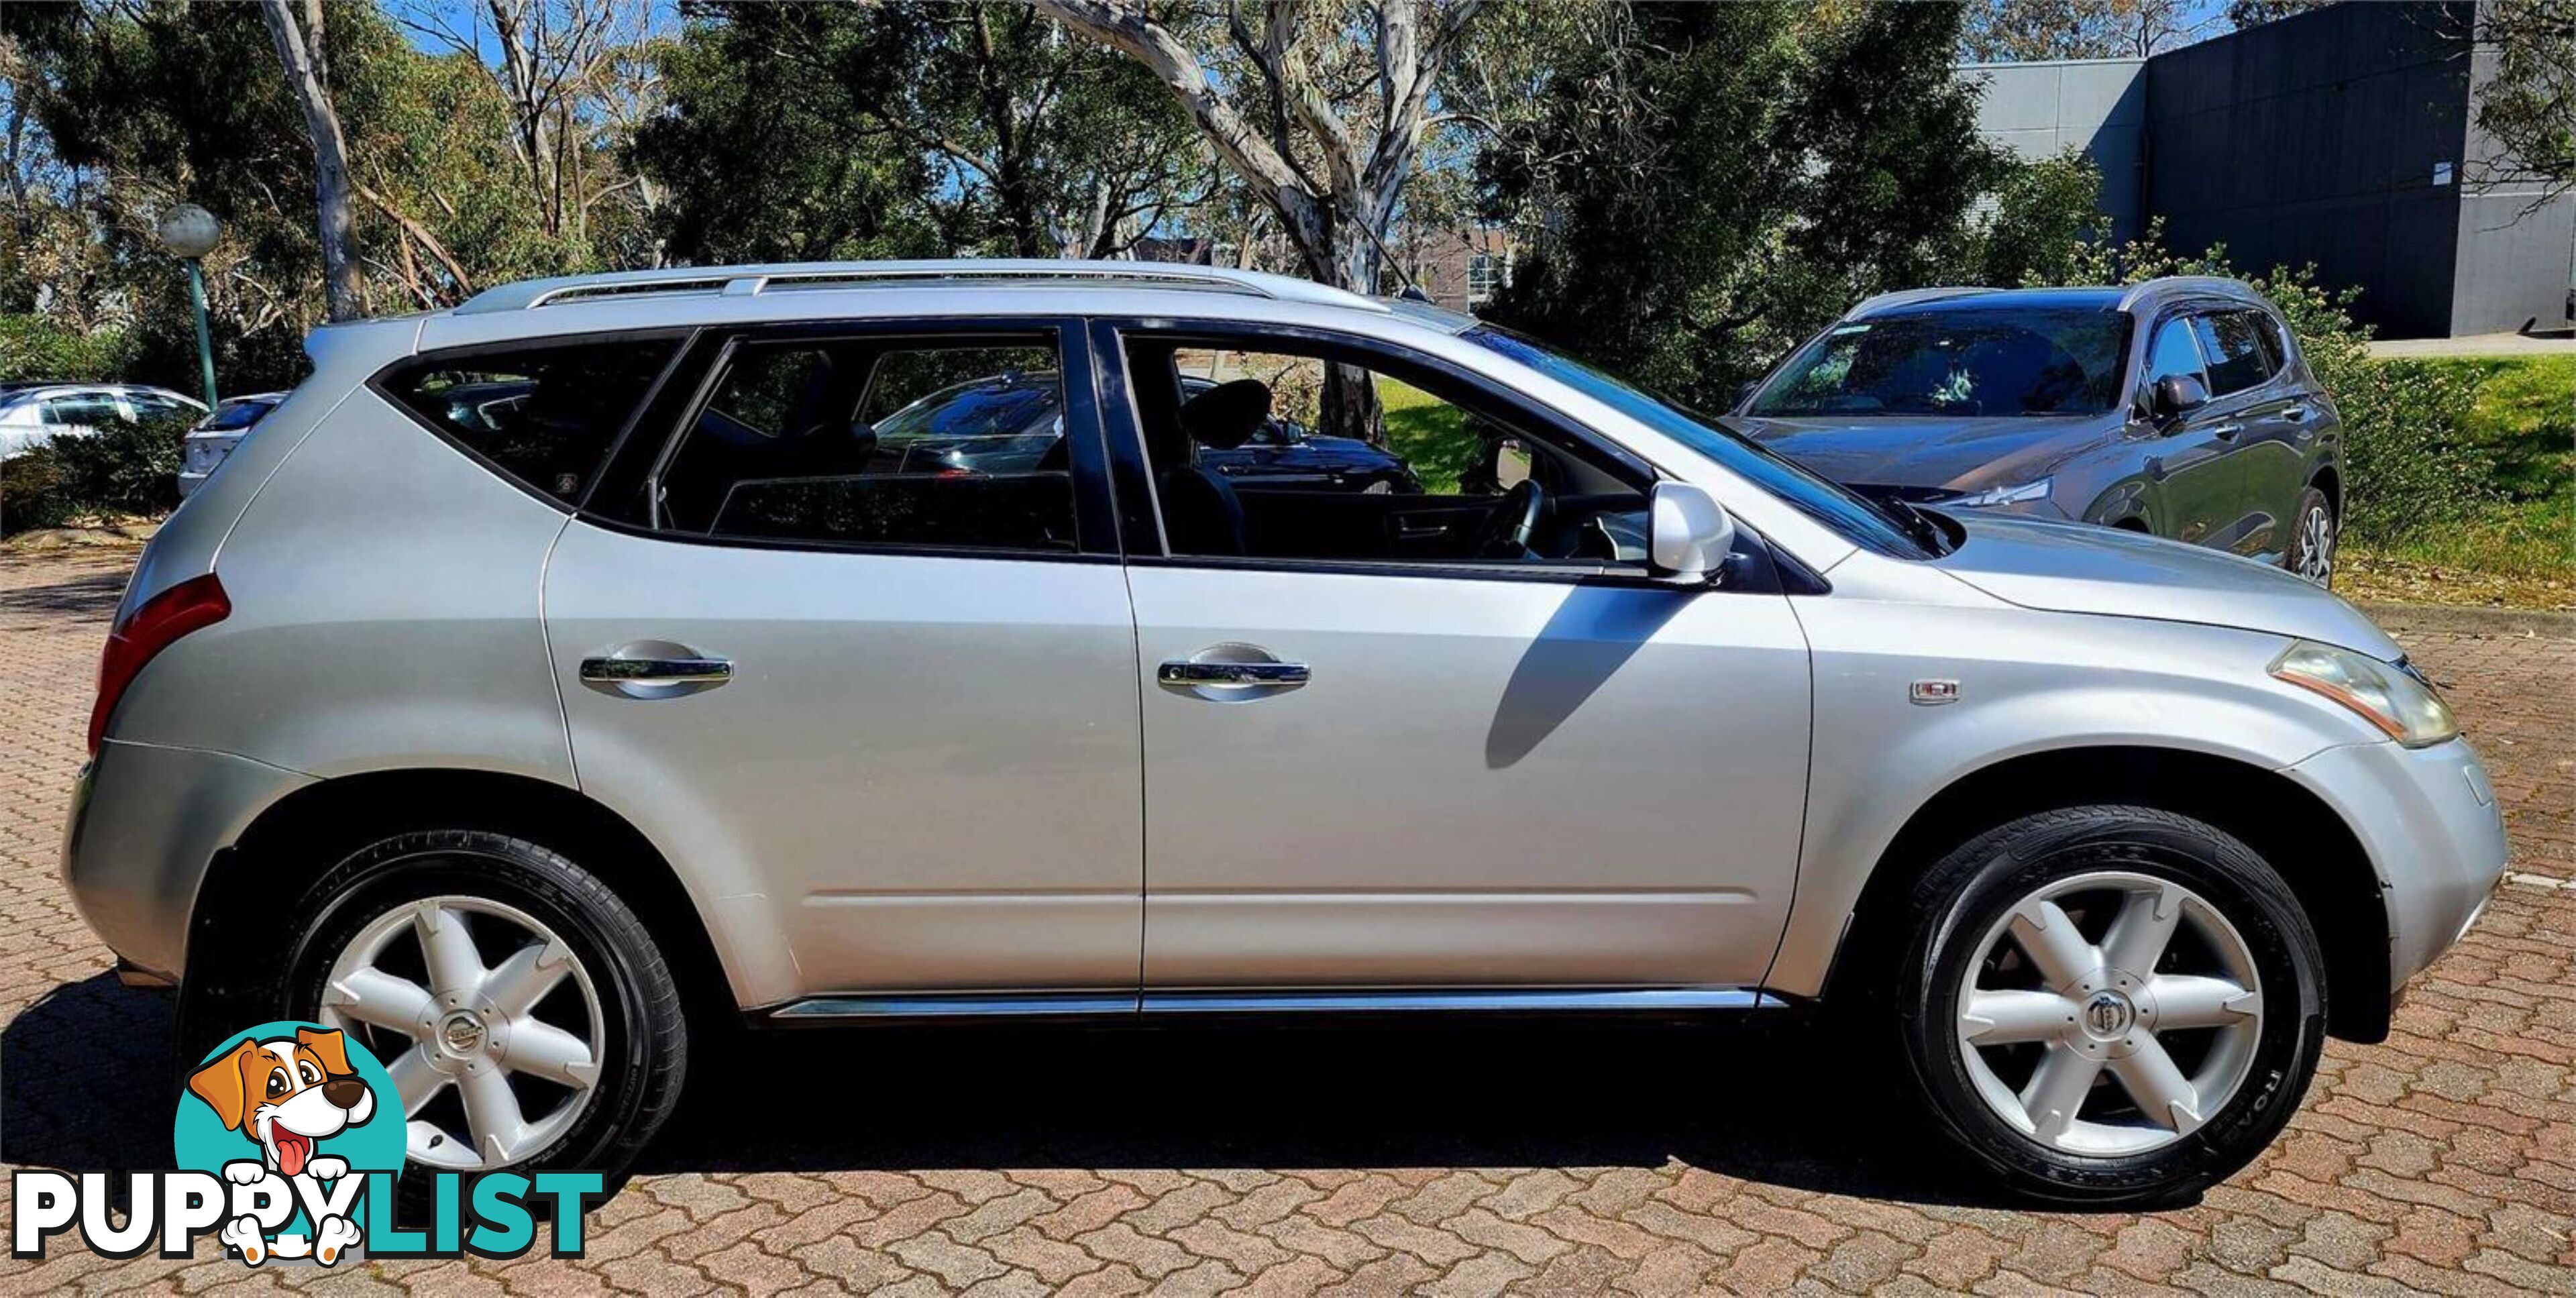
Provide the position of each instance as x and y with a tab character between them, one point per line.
286	1094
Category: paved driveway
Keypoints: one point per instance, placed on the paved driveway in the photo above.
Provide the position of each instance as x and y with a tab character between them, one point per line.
1454	1159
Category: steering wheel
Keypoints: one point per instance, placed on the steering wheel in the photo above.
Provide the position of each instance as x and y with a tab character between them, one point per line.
1514	522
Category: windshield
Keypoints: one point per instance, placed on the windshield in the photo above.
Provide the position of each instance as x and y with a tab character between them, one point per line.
1901	534
1980	362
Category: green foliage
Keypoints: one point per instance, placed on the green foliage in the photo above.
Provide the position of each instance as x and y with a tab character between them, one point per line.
35	347
123	469
2045	214
2529	105
1704	189
2410	463
1429	434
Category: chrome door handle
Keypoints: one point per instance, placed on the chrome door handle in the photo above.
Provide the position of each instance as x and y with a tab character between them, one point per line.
2226	432
1184	671
655	669
2295	414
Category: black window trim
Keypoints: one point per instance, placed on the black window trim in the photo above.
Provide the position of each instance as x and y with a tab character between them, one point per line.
381	383
1754	569
1094	510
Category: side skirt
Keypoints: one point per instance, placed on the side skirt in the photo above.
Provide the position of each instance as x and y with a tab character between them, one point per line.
1665	1000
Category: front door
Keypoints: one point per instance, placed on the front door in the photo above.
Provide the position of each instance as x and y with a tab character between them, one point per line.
846	647
2198	483
1447	738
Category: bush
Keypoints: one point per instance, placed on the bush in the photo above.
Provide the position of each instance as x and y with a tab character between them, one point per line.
123	469
35	348
2410	461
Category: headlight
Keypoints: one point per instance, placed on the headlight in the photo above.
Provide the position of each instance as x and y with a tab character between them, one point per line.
2384	694
2014	495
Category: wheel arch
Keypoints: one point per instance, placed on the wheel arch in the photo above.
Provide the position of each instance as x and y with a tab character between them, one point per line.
2329	479
2288	826
290	843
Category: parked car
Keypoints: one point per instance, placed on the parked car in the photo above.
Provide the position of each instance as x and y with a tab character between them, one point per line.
33	413
1005	422
553	683
217	434
2179	407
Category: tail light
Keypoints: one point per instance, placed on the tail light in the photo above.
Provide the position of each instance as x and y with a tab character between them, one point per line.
156	625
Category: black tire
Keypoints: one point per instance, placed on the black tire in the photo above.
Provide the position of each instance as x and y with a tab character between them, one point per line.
2297	556
645	1061
1968	891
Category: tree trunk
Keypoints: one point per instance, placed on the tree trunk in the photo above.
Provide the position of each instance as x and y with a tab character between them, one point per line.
1349	405
344	293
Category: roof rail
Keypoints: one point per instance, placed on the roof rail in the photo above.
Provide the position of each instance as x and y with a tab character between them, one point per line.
740	281
2219	285
1910	296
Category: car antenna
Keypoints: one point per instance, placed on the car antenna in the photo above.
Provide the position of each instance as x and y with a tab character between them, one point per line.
1412	292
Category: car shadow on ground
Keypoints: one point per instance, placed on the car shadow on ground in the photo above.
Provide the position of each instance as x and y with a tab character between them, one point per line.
92	595
1772	1101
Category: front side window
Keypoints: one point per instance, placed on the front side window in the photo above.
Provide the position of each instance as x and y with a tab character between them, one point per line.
546	415
2233	343
876	441
1261	453
2174	352
88	410
1975	362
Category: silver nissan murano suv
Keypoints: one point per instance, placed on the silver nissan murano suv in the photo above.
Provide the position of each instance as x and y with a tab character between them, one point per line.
553	681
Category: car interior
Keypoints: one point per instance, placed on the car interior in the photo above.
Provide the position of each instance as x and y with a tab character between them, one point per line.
1494	490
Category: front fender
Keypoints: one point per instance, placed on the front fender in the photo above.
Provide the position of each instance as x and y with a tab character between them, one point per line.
2068	682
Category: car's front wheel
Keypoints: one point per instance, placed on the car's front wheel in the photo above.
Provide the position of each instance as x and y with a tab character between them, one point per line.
522	1009
2110	1004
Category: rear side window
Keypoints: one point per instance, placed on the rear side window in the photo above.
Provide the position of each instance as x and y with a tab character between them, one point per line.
546	415
943	443
2233	341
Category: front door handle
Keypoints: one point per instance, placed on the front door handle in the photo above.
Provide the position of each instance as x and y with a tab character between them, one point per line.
2226	432
2295	414
654	669
1231	675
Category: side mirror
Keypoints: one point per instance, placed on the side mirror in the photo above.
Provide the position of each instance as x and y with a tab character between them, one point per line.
2176	395
1688	534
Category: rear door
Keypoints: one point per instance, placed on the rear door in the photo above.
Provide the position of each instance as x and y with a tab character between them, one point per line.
2277	424
883	703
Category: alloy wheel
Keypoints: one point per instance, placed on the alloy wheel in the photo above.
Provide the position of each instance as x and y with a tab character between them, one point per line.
517	1040
2109	1014
2316	544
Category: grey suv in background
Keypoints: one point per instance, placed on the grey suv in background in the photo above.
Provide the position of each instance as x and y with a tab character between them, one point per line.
557	678
2179	407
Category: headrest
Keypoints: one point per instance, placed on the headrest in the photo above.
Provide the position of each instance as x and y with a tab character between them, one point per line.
1227	415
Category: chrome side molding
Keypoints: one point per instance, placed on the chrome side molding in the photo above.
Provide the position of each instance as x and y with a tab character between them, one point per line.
1092	1004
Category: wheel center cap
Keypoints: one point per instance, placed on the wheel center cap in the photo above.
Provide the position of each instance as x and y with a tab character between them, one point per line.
461	1033
2108	1015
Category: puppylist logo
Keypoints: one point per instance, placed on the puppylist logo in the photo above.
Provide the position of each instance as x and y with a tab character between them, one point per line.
288	1145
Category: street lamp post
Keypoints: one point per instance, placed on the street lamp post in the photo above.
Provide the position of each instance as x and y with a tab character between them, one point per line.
189	232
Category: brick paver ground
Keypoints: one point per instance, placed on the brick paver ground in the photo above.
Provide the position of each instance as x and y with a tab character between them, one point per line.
1453	1159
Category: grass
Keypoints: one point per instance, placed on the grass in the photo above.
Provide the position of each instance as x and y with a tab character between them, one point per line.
1429	433
2519	551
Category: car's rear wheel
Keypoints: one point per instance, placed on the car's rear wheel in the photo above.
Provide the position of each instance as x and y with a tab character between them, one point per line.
2110	1004
2313	537
522	1009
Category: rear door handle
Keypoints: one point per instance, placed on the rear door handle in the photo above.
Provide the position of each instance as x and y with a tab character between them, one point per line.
2226	432
655	670
1186	671
2295	414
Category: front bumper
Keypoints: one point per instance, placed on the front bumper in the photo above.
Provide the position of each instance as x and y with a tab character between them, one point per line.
2429	821
146	824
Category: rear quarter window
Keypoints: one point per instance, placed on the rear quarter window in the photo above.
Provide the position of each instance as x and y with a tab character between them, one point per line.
545	415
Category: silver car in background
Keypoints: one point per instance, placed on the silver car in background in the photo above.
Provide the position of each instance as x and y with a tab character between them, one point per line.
559	676
32	414
215	436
